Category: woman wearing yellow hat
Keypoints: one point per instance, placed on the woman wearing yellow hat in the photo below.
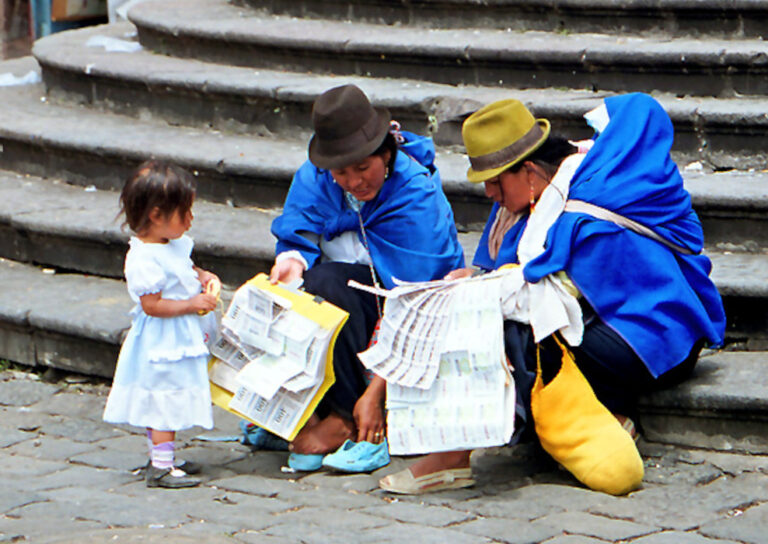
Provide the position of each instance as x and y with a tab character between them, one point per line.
368	205
606	234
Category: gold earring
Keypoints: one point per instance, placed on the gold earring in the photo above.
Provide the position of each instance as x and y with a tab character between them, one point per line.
386	172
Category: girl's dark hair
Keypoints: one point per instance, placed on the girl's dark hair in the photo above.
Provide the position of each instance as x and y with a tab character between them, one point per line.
549	156
155	184
389	144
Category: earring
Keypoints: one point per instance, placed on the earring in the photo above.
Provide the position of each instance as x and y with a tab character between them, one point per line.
386	172
532	200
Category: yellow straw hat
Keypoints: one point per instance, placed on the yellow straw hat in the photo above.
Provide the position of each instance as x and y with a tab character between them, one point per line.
499	136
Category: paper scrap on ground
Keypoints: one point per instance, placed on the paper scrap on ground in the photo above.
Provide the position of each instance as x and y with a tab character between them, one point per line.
441	349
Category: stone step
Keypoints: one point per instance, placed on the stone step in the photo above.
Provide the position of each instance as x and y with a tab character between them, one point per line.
76	323
214	30
723	407
65	227
724	132
703	18
88	147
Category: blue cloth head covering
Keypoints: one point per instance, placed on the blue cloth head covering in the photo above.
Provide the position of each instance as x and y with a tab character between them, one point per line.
660	301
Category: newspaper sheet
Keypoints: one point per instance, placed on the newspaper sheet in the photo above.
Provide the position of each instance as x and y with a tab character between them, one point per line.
271	361
441	350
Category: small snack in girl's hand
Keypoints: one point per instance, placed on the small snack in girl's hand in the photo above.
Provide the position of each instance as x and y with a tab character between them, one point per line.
213	288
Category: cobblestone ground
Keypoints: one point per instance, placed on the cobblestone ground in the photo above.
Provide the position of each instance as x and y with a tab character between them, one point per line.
68	477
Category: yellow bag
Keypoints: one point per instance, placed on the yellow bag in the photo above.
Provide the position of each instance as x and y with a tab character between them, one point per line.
580	433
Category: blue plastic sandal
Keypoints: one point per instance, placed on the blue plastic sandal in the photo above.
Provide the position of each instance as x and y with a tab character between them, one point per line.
305	462
358	457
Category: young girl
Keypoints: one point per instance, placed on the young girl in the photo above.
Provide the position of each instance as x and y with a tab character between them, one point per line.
161	380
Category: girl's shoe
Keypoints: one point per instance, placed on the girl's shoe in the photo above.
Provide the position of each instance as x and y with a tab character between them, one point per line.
169	478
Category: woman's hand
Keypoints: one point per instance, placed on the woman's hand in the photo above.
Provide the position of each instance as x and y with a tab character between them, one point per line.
459	273
286	271
369	412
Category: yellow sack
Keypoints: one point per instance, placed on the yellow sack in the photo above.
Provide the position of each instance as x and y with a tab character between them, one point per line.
580	433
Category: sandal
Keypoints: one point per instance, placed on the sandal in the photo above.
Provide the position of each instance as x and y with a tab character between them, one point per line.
405	483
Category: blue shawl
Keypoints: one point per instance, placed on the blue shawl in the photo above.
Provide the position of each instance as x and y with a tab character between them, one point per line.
659	300
409	224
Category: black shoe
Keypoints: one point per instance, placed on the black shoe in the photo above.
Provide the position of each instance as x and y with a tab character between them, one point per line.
163	477
190	467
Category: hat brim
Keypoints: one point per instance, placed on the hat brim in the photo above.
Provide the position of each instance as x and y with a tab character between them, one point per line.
338	161
479	176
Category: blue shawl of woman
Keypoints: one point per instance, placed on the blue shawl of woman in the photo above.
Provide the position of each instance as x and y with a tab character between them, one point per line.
659	300
409	224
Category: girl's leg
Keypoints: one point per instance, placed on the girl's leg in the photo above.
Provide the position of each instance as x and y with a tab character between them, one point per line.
161	472
162	450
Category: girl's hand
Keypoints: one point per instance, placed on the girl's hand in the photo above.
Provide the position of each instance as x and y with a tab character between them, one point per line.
286	271
459	273
204	276
369	412
202	302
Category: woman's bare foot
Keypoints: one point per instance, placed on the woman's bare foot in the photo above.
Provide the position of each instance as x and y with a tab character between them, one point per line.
323	436
440	461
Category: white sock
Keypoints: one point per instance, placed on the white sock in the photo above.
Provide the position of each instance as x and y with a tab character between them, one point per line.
162	455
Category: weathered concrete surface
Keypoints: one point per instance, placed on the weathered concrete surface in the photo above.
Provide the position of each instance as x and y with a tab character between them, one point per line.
701	18
67	477
217	31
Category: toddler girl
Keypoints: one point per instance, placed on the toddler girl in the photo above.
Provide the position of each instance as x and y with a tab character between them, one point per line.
161	380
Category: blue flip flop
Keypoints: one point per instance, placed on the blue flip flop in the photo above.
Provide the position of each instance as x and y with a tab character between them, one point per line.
305	462
358	457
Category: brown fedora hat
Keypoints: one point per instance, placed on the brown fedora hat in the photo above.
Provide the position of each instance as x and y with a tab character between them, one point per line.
347	127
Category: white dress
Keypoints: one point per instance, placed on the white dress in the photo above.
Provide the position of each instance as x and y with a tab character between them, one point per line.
161	380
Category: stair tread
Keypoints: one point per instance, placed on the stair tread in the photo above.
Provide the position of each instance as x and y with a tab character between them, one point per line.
221	20
721	381
26	116
41	207
68	51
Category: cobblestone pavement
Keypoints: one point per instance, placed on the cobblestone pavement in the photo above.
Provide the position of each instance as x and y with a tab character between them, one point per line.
68	477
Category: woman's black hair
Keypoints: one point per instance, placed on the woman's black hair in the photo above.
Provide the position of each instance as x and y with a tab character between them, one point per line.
155	184
389	144
549	156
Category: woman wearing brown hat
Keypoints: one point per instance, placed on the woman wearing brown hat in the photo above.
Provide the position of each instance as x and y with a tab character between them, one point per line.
608	238
366	207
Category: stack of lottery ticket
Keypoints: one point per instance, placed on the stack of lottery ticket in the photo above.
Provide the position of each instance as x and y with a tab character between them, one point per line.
270	358
441	350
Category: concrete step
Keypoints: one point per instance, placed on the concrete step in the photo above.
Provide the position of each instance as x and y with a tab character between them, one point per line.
713	18
65	227
89	147
214	30
77	323
724	132
723	407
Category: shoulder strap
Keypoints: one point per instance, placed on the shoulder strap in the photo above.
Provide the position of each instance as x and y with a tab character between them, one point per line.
607	215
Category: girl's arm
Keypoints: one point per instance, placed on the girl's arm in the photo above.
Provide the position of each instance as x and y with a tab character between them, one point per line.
157	306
